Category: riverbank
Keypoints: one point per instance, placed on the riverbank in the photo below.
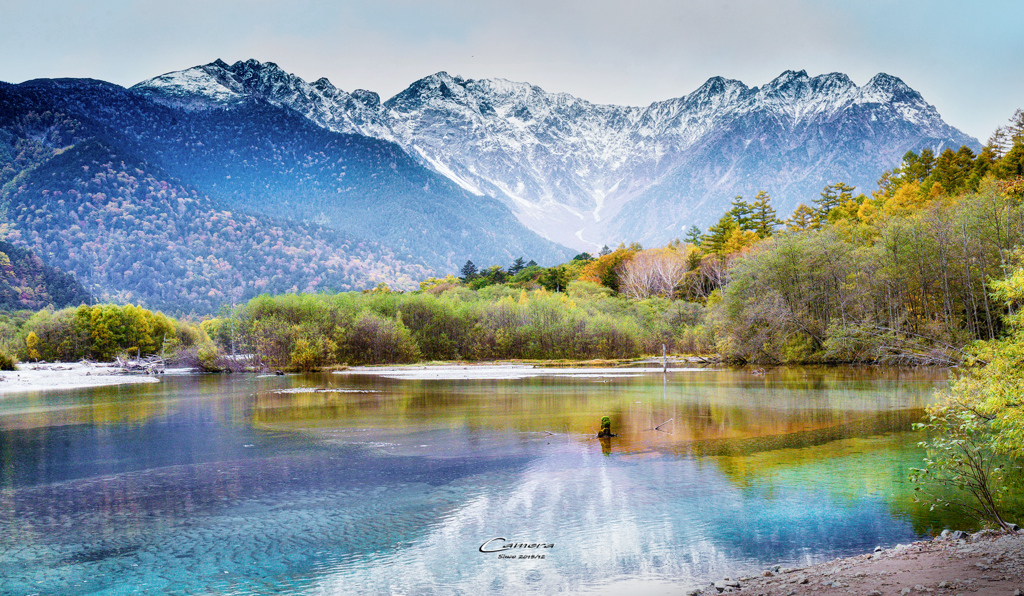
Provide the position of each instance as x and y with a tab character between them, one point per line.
67	375
983	564
510	370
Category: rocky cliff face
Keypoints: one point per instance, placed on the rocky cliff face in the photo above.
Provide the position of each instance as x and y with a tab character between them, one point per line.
585	174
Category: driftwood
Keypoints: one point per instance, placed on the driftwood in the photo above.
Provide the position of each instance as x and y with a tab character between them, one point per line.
658	428
151	365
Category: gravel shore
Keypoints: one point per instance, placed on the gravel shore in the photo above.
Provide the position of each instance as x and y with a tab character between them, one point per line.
983	564
69	375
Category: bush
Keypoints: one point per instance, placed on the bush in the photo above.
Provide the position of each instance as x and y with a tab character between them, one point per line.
376	340
310	355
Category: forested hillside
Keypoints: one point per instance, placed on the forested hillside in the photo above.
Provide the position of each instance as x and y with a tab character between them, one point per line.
263	159
136	236
27	283
89	202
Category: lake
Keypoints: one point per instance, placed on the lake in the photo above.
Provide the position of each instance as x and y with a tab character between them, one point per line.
394	481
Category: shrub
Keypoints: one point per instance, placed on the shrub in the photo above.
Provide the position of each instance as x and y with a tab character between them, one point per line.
376	340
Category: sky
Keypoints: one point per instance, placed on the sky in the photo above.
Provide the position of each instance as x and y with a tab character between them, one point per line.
963	57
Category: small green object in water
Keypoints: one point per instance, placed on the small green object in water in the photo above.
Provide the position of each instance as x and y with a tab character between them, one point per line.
606	428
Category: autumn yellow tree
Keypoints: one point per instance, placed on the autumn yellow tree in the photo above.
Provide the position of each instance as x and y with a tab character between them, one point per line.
32	343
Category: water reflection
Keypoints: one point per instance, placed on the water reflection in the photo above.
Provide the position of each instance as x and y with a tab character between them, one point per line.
324	484
702	412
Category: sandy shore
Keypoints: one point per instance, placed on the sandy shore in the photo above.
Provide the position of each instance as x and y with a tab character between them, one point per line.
983	564
500	371
71	375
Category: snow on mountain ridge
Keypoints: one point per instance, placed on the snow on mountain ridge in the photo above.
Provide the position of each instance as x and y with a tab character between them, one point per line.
221	85
566	166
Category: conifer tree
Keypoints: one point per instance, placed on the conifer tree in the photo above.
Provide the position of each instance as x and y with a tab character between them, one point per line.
518	265
1004	138
763	218
741	213
832	197
926	163
981	166
951	169
802	219
718	235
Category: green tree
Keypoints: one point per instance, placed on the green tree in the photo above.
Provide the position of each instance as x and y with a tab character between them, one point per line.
763	218
915	168
1011	165
518	265
693	236
832	197
555	279
469	271
952	170
717	236
925	164
802	219
742	213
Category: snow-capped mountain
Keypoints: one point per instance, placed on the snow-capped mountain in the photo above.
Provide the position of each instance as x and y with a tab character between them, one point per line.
219	85
585	174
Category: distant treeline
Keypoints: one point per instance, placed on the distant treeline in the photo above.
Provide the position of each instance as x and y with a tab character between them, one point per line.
448	321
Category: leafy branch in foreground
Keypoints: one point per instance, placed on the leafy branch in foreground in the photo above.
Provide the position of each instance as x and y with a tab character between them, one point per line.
961	457
977	429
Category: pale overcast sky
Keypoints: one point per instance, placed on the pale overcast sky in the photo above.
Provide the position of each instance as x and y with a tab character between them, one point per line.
963	56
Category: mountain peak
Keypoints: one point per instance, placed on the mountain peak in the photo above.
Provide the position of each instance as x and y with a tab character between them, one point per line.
884	88
367	98
838	78
787	78
717	86
887	82
438	85
323	84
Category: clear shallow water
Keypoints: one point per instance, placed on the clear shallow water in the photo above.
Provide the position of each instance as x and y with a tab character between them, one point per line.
363	484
